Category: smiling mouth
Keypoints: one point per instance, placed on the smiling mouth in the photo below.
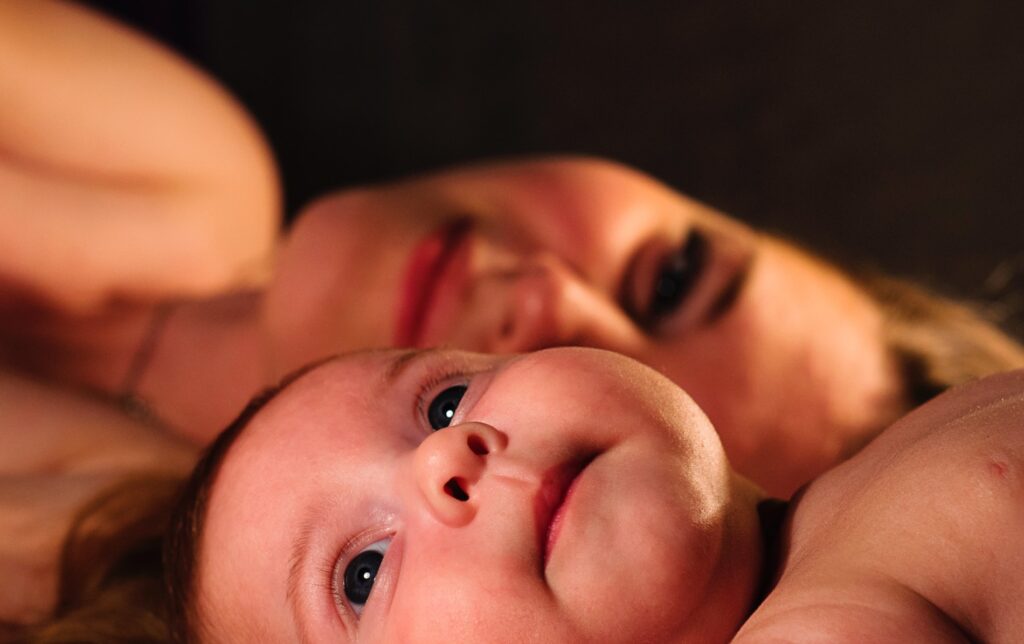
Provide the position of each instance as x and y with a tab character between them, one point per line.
423	274
551	503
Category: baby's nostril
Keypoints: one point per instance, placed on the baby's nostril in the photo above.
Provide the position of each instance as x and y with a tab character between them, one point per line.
455	490
477	445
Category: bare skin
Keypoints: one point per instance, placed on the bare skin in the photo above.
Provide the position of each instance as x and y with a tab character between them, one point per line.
918	537
61	448
126	174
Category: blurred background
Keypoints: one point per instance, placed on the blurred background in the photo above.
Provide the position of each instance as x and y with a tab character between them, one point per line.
887	134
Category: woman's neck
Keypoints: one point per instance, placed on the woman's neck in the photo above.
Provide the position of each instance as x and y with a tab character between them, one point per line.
208	359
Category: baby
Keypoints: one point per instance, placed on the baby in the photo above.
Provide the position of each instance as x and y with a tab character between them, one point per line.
575	495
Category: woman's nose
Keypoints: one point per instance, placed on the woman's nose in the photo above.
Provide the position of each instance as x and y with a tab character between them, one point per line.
449	465
550	304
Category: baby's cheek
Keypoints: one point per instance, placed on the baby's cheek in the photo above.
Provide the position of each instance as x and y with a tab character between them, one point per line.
451	610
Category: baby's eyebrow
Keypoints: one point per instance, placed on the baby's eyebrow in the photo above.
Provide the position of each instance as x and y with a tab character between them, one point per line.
404	361
296	563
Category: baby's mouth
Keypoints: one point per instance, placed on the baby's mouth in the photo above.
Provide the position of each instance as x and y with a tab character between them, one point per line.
552	501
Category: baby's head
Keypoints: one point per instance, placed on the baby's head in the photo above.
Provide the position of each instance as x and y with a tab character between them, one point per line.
565	495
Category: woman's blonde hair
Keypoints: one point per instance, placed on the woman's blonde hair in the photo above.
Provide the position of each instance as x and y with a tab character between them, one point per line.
939	342
110	573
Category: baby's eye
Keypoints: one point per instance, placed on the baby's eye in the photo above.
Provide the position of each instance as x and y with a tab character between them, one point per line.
442	408
361	572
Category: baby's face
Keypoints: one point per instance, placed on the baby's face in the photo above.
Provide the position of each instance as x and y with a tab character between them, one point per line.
566	495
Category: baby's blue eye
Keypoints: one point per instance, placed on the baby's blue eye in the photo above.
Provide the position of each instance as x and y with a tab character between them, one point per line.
361	572
441	410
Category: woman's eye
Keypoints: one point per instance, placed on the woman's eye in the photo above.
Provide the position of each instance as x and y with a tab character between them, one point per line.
361	572
442	408
677	276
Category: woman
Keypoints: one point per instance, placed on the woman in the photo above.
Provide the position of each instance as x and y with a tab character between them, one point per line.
796	363
162	297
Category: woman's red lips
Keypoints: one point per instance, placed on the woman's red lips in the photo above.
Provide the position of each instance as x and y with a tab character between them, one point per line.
550	504
423	273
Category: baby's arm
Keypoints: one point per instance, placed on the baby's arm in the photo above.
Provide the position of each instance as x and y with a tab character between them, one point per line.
124	172
846	613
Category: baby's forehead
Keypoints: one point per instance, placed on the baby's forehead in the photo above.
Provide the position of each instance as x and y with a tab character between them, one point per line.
348	372
301	393
324	411
328	386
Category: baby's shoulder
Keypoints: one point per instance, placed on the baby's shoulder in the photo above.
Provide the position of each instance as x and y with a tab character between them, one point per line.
955	464
930	517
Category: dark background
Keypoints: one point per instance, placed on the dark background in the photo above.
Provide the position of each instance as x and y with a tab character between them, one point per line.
886	133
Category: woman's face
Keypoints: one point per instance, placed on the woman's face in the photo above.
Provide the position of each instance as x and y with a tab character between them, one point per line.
784	354
567	495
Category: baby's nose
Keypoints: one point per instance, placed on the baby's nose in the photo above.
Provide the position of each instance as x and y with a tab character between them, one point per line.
450	463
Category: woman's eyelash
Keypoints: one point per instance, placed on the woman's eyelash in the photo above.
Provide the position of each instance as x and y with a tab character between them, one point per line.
663	277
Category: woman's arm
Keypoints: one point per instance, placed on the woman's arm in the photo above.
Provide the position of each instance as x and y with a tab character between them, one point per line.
124	171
